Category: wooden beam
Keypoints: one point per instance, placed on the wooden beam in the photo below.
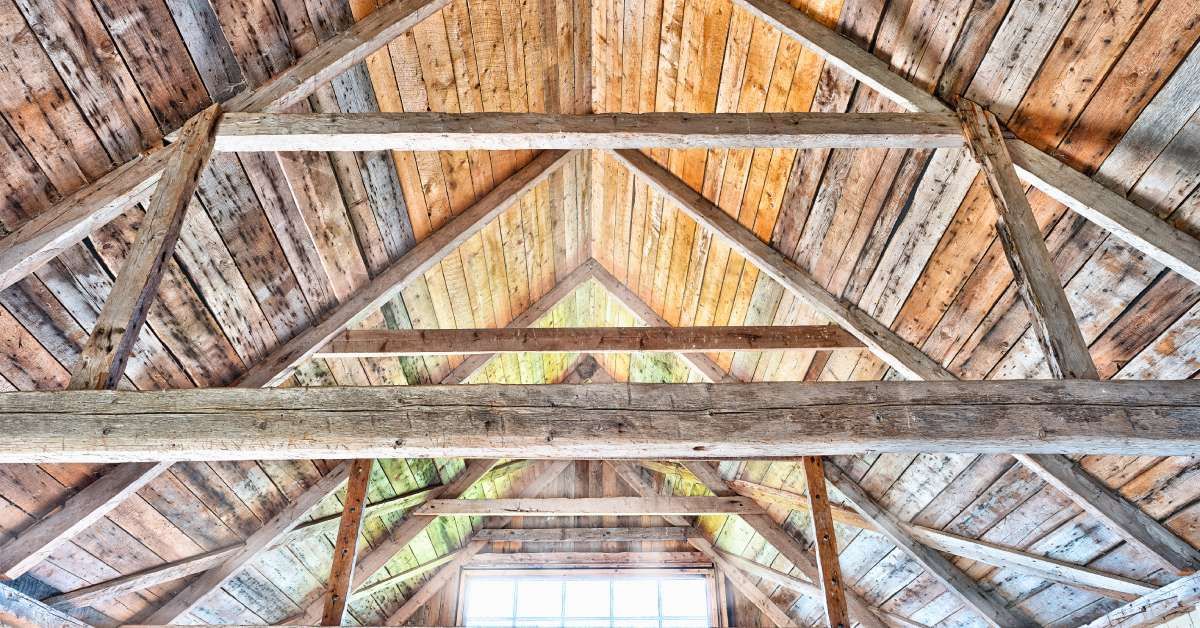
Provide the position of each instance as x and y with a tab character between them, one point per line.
102	359
1138	227
265	537
18	610
802	587
1117	513
881	340
1033	269
370	562
825	540
702	364
1153	609
372	343
408	574
144	579
70	220
33	544
540	131
575	535
530	488
345	549
743	584
532	314
1050	569
593	560
783	541
759	420
584	506
986	604
277	366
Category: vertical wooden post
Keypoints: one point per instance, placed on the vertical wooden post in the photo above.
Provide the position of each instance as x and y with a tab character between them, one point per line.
836	614
341	573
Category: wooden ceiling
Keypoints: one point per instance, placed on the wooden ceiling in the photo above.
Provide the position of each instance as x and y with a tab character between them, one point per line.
273	241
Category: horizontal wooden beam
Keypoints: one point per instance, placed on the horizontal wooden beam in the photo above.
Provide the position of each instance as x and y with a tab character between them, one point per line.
759	420
590	559
518	131
572	535
603	420
396	342
580	506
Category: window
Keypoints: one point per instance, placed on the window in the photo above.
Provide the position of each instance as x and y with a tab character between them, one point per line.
625	600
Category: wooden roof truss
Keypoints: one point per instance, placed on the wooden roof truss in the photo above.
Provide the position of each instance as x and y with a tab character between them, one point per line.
251	121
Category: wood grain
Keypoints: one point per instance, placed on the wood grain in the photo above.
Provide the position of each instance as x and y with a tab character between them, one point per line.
833	592
581	506
345	548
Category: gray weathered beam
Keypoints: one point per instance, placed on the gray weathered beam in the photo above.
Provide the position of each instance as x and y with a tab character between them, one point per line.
541	131
1153	609
758	420
576	535
1139	228
70	220
18	610
743	583
586	506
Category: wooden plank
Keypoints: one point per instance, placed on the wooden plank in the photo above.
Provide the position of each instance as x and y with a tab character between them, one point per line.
364	343
742	583
102	359
370	562
1136	226
572	535
71	220
836	614
408	574
881	340
591	560
21	611
783	541
265	537
277	366
1111	585
1033	269
986	604
33	544
1117	513
758	420
1152	609
345	549
703	364
91	595
539	131
582	506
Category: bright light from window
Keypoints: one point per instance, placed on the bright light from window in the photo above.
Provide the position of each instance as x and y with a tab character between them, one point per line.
577	601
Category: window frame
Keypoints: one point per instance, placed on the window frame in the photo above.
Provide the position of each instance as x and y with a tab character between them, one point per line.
713	585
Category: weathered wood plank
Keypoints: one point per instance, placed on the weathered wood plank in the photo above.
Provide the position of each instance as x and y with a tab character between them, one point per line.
102	360
582	506
88	596
742	583
1150	610
836	614
71	220
84	508
572	535
877	337
987	604
540	131
591	559
1119	514
277	366
1033	269
21	611
385	343
604	421
345	549
264	538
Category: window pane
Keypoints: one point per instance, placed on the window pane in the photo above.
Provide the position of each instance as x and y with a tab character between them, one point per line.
587	598
685	623
636	623
490	597
635	598
586	623
539	598
684	597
